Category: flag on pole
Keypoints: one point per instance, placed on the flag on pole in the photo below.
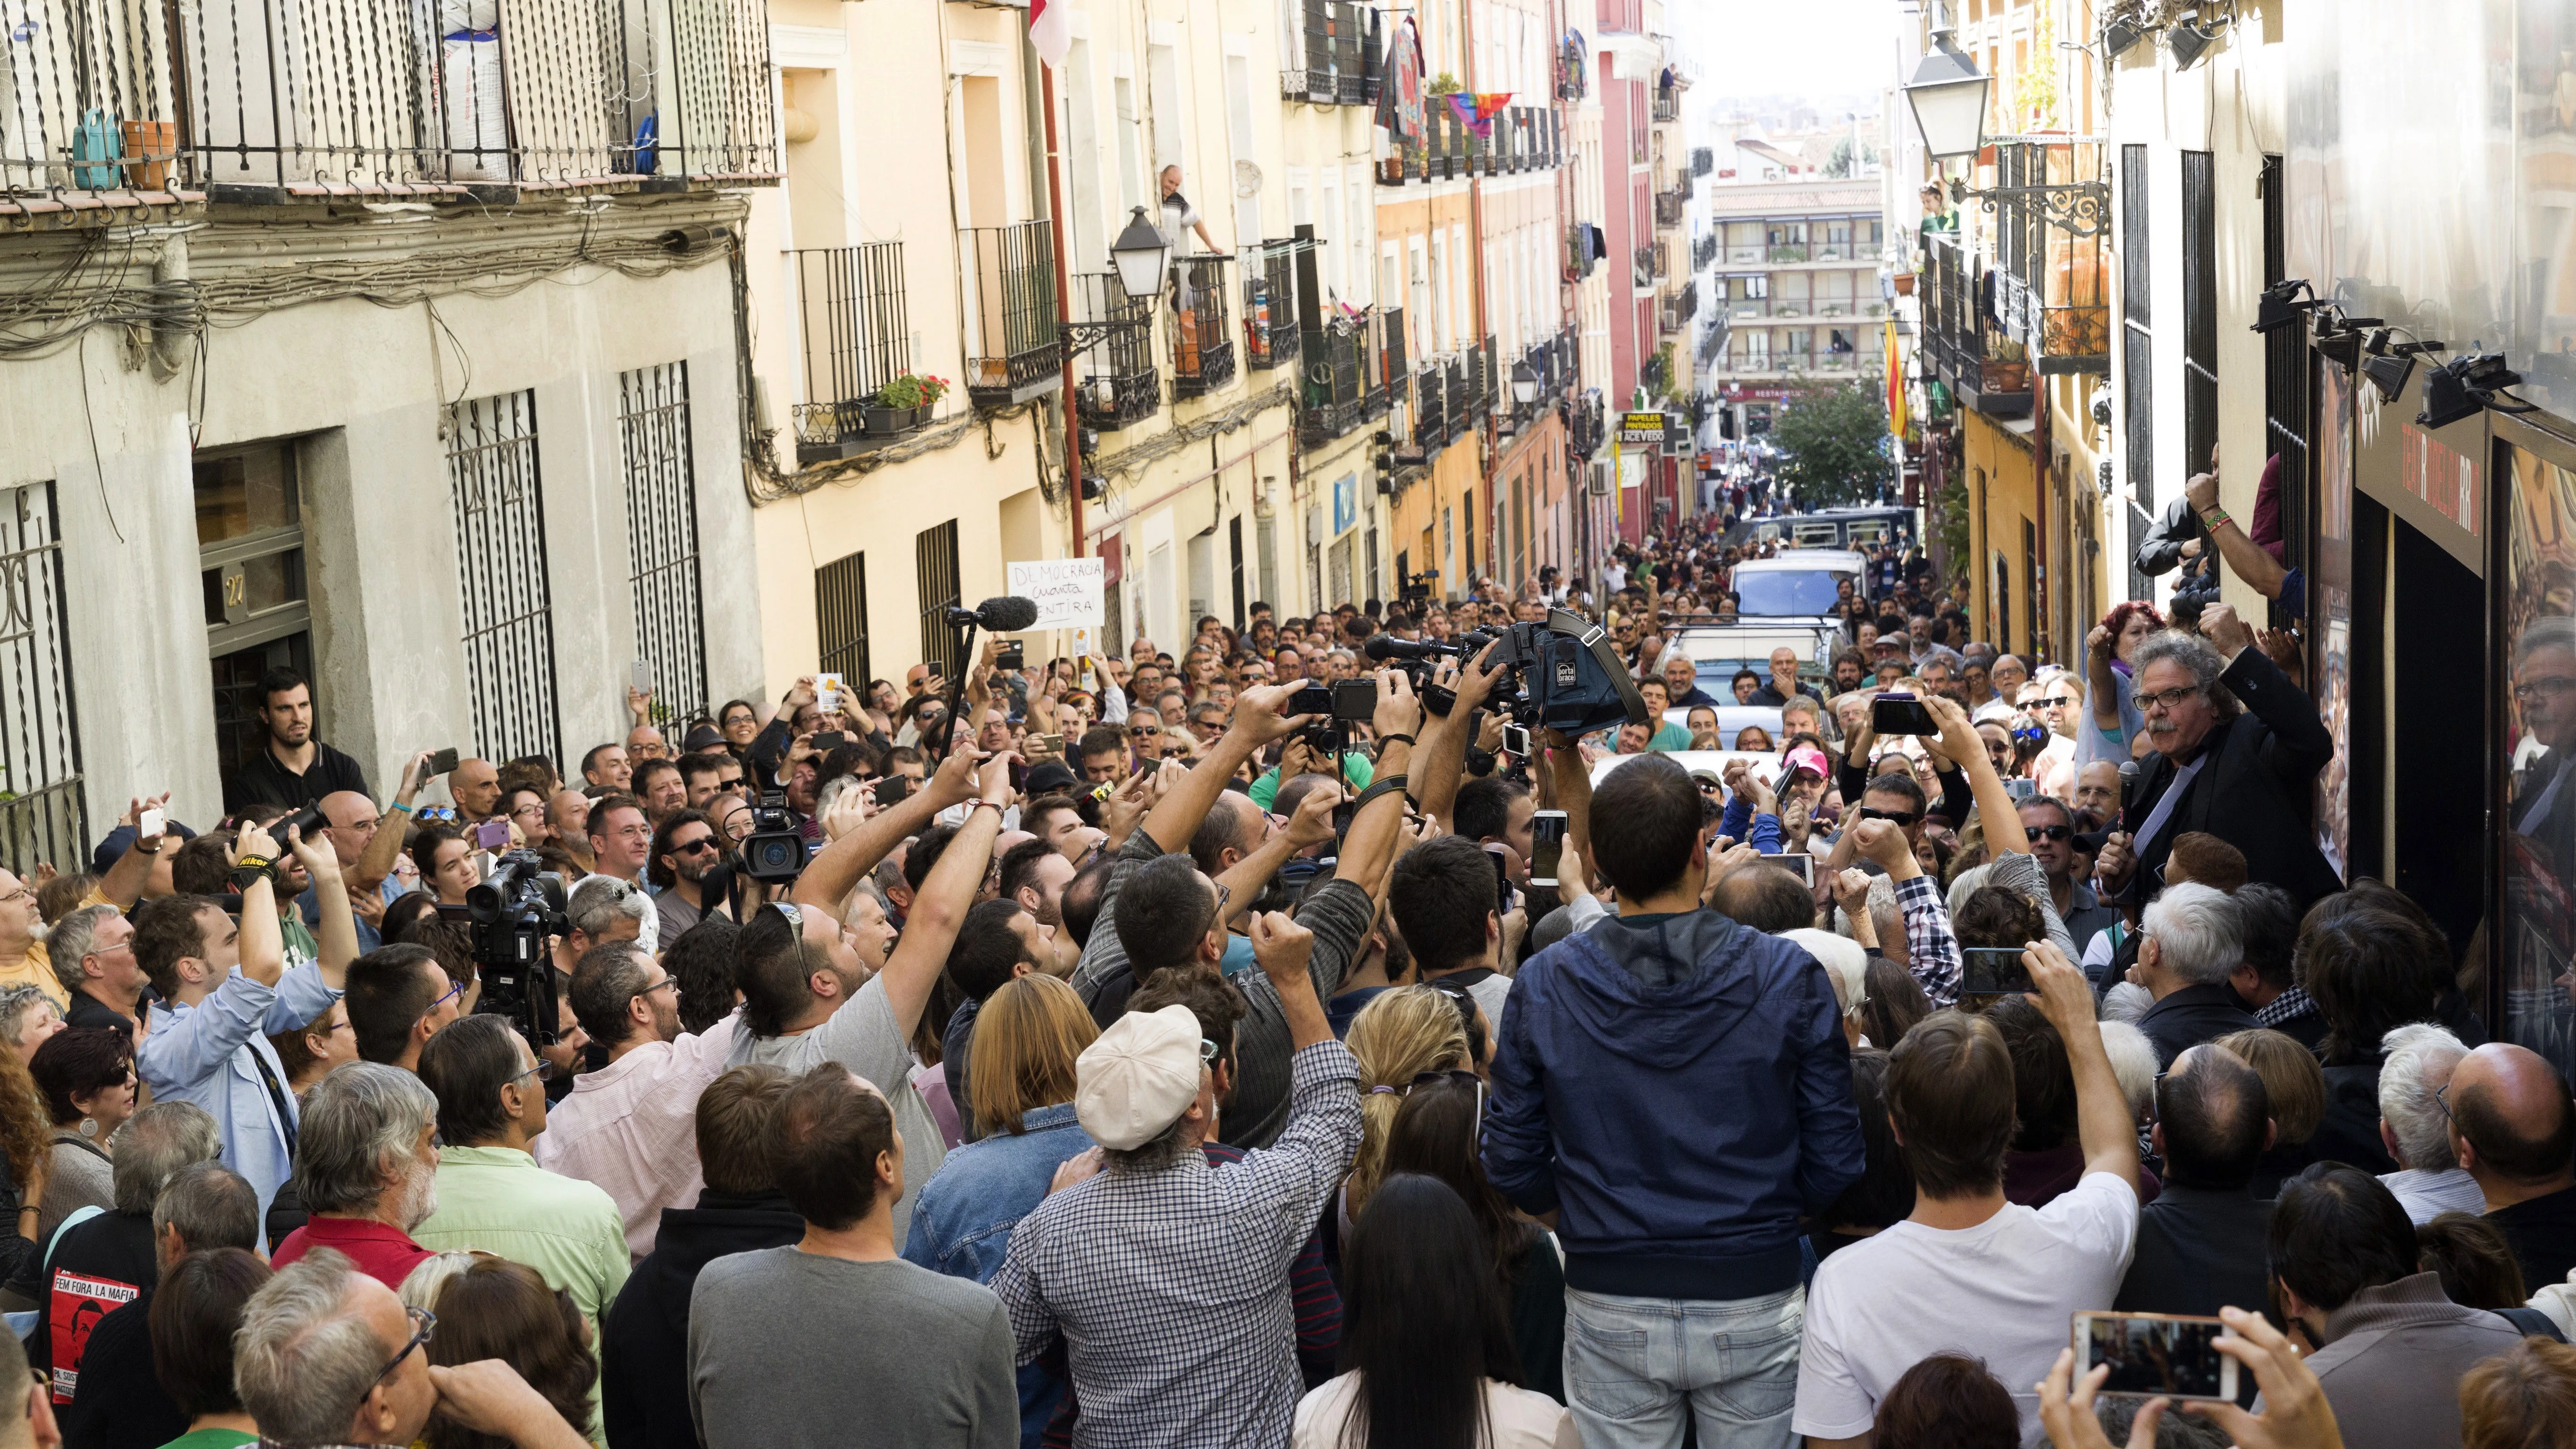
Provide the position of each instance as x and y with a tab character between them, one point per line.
1051	30
1477	110
1895	385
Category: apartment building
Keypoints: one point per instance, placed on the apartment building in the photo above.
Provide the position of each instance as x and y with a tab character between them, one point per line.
406	360
1793	275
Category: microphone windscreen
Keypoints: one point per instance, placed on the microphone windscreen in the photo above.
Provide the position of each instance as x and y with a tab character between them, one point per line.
1008	614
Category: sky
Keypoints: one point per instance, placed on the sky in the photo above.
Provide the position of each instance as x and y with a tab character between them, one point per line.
1767	47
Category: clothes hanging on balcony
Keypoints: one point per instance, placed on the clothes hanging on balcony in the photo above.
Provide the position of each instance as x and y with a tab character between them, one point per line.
1400	99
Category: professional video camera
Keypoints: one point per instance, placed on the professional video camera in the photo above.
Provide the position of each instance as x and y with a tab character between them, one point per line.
774	852
1569	677
508	920
1415	589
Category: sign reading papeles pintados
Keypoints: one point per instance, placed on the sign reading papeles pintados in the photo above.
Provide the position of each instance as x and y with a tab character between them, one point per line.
1067	591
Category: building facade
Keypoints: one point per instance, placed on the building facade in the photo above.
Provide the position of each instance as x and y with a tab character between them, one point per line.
407	362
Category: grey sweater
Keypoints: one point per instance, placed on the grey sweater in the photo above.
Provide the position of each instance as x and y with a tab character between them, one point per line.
1339	914
789	1349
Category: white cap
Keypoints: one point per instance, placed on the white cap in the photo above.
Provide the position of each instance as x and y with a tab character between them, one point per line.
1138	1078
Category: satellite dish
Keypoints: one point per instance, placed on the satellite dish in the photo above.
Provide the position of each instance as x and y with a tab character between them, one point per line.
1247	180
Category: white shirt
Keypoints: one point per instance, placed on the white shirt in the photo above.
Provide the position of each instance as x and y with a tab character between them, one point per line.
2427	1195
631	1128
1517	1419
2003	1291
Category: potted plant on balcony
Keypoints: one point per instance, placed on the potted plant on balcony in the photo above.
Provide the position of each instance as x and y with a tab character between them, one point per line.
905	402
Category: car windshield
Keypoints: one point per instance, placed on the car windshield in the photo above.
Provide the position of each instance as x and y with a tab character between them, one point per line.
1778	592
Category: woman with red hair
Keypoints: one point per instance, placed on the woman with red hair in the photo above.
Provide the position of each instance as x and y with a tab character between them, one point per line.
2111	726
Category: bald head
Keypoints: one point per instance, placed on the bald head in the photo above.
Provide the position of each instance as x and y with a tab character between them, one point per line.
475	785
568	814
2511	1121
353	824
2213	1120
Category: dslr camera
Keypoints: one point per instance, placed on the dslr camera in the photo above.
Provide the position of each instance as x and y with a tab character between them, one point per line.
508	920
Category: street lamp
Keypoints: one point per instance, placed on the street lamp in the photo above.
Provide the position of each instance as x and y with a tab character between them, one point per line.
1949	99
1139	254
1524	383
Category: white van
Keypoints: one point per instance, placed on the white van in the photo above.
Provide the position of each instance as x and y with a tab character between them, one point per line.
1799	583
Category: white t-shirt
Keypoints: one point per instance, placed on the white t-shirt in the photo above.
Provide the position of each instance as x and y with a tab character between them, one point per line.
2002	1291
1519	1418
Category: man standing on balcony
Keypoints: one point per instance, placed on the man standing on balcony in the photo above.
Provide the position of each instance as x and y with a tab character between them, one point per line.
1179	215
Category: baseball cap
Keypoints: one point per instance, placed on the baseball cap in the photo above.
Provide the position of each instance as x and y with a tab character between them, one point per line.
702	737
1807	757
1050	777
1138	1077
1896	640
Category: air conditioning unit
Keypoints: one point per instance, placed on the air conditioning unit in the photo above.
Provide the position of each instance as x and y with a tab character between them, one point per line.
1601	478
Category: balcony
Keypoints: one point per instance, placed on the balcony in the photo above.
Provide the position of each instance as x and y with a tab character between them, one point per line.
1202	335
1344	374
1704	253
1117	385
1987	371
2050	274
1588	421
1668	208
1464	406
115	106
858	339
1426	393
1010	296
1271	337
1579	258
1650	265
1703	160
1332	56
1668	104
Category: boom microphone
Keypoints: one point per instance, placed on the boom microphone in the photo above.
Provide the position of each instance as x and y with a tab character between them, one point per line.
1387	646
1004	614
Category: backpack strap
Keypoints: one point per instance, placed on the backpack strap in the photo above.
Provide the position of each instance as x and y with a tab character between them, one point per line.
2531	1322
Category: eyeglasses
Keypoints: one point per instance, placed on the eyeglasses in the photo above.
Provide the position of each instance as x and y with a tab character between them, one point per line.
692	847
666	981
2168	698
1141	731
428	1322
543	1071
2442	1099
1208	1052
2551	684
455	989
2058	701
1901	819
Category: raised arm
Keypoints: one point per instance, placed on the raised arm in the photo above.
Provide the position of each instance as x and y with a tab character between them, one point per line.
1257	721
1371	843
2098	689
2102	1121
263	940
1995	805
1573	778
123	884
1311	825
385	846
1441	760
2301	744
338	938
2236	548
946	894
830	876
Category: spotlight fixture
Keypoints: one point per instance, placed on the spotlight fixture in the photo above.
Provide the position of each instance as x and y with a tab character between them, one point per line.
2189	41
2339	337
2466	386
2389	365
2119	35
2283	302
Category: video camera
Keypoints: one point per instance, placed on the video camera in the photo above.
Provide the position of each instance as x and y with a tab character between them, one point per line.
774	852
508	920
1563	673
1414	589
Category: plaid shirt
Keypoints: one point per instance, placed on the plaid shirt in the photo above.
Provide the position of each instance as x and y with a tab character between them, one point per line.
2289	1006
1931	951
1172	1290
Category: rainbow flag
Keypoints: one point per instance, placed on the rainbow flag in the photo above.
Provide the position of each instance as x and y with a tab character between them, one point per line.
1477	110
1895	383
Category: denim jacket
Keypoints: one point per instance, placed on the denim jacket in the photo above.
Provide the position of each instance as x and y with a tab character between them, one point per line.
962	1223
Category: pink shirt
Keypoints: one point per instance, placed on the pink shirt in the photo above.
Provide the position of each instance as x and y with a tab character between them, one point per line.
631	1128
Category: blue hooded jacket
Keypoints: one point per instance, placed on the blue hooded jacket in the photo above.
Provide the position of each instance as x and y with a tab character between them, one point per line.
1678	1088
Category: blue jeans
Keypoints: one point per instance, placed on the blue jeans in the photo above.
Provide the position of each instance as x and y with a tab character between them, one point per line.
1632	1366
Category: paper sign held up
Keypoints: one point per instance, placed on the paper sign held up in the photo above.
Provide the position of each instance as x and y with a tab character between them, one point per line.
1067	591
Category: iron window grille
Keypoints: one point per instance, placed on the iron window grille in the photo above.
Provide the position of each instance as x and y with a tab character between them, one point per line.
662	535
42	815
2200	309
934	566
841	618
858	338
501	575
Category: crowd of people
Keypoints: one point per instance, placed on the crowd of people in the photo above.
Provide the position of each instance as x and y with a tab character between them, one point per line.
1130	1057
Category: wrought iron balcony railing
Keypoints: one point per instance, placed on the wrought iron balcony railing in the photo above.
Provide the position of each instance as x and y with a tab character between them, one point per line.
1668	208
1331	54
1202	333
269	100
1116	382
2051	209
1985	368
1271	335
852	311
1345	372
1010	299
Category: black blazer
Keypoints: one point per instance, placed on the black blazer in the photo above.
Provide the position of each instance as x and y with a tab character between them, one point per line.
2255	791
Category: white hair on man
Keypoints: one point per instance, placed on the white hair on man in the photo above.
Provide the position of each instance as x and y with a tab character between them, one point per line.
2199	935
2414	1057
